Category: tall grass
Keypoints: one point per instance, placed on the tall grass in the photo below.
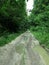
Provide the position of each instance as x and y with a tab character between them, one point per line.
7	37
42	36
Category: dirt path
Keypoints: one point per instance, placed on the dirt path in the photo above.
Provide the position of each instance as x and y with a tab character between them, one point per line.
20	51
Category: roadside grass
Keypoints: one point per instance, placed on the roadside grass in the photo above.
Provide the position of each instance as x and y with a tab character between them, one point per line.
43	53
43	38
8	37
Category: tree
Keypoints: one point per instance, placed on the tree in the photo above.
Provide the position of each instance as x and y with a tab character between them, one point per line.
40	13
13	14
39	19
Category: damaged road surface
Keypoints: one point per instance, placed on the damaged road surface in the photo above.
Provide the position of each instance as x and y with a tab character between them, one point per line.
21	51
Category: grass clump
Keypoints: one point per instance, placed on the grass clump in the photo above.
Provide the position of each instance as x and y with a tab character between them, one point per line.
7	37
42	35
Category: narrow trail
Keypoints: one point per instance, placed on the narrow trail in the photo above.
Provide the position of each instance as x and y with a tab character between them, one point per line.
13	53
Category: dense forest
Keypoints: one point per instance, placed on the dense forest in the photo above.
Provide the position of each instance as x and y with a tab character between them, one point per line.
12	14
14	20
39	19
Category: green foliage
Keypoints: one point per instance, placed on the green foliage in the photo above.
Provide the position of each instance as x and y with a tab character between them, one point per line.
7	37
39	20
13	15
42	37
40	13
12	19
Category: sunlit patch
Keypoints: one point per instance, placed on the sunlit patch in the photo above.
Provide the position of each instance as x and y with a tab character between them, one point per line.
29	6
